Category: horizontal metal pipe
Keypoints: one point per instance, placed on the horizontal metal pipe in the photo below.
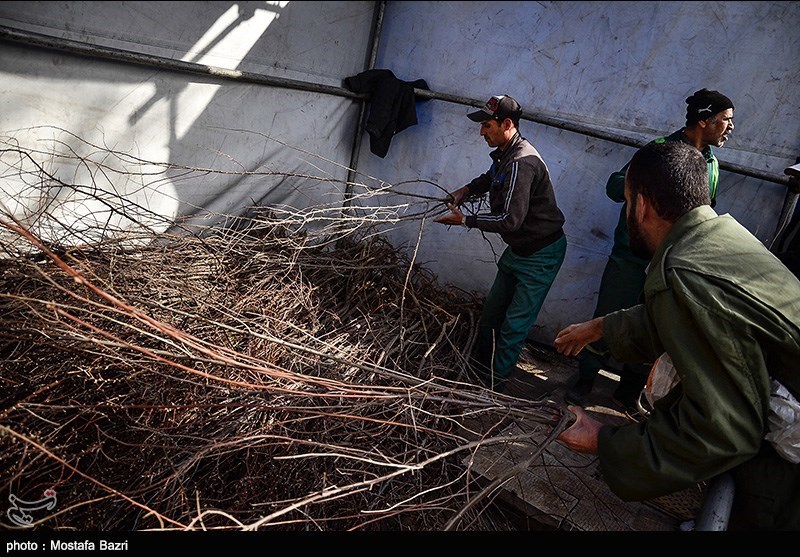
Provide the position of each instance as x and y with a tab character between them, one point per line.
583	129
76	47
84	49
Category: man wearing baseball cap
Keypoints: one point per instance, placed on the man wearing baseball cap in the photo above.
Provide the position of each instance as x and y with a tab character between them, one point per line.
523	210
709	123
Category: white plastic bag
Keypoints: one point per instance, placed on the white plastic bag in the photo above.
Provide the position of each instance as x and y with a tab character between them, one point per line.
783	420
784	423
661	380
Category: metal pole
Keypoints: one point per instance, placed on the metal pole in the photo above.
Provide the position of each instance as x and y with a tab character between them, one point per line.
716	509
380	9
599	133
75	47
83	49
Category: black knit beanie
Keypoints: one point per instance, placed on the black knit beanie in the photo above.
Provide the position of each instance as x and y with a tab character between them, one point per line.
704	104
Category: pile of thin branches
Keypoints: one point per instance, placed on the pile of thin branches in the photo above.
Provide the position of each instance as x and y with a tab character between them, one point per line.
242	378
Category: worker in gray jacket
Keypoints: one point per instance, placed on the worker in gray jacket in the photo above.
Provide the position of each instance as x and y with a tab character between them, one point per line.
727	313
523	210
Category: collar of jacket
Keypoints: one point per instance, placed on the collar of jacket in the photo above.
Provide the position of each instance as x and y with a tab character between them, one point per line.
498	153
708	152
656	276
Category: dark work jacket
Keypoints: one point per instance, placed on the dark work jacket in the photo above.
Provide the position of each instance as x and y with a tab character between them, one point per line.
787	245
522	203
392	105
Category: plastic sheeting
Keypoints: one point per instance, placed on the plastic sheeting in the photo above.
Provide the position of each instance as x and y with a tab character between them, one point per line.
261	142
622	66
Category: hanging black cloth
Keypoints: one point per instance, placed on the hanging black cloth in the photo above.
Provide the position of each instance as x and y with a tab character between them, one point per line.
392	105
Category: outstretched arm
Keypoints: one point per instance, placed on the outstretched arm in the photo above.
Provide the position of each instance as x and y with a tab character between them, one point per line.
572	339
454	217
459	195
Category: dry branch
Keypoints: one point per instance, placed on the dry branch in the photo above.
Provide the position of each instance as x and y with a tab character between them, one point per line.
247	376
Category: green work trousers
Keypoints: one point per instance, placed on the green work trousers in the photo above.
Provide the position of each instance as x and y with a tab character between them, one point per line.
754	506
512	306
620	288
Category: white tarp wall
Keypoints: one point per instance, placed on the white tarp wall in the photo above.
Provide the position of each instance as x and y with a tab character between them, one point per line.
625	67
240	130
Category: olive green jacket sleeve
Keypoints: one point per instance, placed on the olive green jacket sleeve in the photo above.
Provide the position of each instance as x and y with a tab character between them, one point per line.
723	319
634	337
711	422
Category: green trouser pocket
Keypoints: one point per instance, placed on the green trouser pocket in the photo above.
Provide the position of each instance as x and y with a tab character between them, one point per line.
767	493
513	303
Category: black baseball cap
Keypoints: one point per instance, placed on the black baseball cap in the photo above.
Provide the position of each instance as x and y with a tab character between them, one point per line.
498	107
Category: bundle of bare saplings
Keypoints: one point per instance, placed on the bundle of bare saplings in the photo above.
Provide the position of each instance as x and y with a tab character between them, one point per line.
241	378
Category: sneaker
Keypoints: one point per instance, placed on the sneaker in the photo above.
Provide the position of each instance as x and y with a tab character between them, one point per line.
498	385
488	380
579	392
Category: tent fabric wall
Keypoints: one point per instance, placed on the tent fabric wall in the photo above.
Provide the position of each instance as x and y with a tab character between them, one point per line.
626	67
245	132
622	66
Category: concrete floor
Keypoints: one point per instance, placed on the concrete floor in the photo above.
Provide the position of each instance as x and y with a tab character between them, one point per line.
564	490
543	373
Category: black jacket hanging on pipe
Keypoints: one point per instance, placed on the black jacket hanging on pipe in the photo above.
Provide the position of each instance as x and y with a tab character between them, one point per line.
392	105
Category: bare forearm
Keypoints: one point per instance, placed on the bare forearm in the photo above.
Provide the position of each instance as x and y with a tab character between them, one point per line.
573	338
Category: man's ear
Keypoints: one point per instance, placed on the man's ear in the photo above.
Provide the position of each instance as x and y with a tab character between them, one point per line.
643	207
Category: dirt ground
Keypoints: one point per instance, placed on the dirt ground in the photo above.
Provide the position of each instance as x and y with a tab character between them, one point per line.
543	373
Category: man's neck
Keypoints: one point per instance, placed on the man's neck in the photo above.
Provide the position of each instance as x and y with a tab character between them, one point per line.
508	142
657	235
694	137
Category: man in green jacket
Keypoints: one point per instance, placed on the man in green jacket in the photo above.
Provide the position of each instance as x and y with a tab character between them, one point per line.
727	312
709	123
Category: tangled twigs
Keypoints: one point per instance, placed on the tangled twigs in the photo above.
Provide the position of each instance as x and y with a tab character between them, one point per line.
566	420
242	377
6	431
